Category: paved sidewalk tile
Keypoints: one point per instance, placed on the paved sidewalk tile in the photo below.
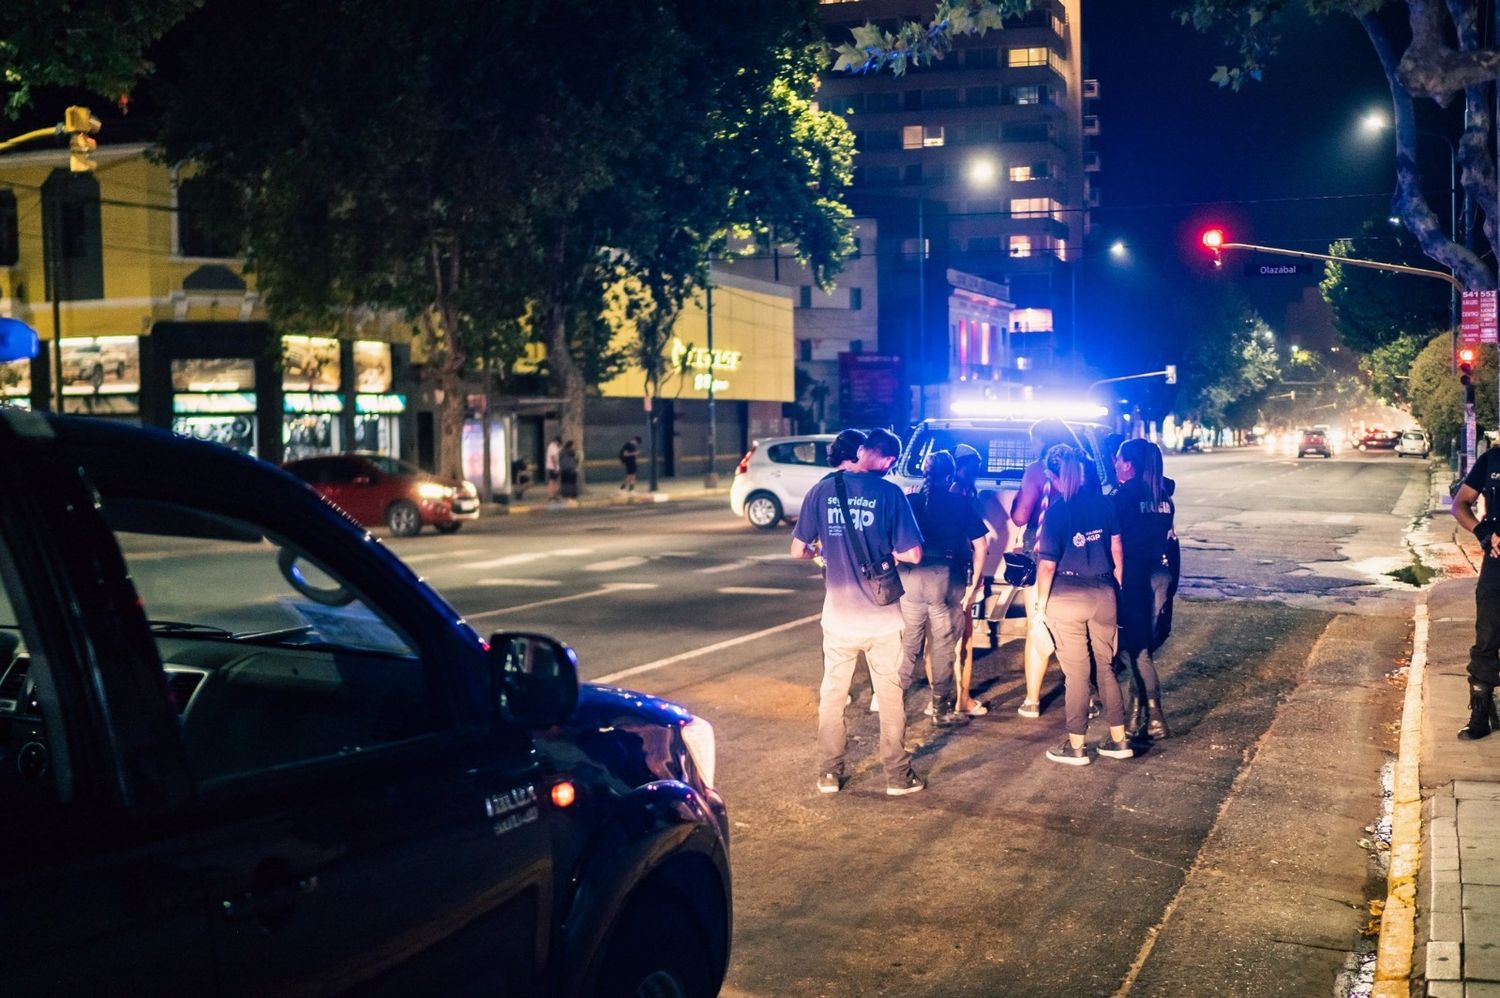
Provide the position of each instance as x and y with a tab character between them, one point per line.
1476	790
1443	962
1481	989
1481	933
1445	989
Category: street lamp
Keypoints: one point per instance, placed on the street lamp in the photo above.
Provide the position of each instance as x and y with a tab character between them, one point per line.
1119	250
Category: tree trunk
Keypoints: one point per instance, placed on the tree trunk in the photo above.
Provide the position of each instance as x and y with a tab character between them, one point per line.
568	380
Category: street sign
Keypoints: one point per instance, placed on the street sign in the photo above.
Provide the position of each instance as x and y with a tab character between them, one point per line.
1478	318
1262	269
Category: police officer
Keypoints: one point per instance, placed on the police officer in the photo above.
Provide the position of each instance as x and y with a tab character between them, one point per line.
940	589
1484	657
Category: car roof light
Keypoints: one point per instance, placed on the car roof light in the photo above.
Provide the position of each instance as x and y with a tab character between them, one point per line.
1028	410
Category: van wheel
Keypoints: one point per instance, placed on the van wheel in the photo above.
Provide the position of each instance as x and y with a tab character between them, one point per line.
658	952
763	510
403	519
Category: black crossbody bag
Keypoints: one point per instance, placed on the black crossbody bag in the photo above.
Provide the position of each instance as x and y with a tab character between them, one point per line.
884	580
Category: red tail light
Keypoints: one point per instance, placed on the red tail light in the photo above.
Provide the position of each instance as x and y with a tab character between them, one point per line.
743	468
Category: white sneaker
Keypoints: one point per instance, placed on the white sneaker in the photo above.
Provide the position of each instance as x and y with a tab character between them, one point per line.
977	709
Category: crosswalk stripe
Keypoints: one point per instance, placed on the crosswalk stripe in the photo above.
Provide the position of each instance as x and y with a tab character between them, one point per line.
519	583
754	591
730	567
603	590
417	559
630	561
615	677
510	559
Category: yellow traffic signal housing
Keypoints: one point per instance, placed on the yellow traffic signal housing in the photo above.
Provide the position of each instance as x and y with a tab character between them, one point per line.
79	121
79	149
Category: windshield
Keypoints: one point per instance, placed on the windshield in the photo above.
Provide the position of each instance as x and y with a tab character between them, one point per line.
1004	451
392	466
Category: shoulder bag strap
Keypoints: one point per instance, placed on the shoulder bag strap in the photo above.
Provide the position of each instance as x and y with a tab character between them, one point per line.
858	545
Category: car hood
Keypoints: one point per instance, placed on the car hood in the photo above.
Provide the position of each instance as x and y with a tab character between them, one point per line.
627	739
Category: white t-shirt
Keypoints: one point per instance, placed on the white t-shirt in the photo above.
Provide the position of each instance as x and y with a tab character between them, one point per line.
554	456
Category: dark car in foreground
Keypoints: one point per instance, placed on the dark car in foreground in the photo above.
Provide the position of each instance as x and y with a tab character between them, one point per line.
245	750
381	491
1314	442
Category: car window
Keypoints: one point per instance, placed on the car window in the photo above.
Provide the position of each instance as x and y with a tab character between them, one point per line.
36	774
1004	451
814	452
391	466
272	659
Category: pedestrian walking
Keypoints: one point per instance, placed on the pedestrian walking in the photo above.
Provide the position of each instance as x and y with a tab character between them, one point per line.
940	589
1028	511
567	468
862	526
1483	480
553	466
1144	508
1078	576
629	456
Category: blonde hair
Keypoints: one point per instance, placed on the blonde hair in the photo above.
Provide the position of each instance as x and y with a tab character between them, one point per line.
1066	470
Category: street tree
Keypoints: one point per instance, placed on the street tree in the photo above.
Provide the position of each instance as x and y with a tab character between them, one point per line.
97	46
1437	398
501	164
1388	367
1373	308
1232	364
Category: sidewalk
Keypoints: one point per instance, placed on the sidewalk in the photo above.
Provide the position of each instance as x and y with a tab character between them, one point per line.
1455	947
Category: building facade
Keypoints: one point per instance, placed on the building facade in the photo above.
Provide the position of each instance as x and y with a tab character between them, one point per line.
977	173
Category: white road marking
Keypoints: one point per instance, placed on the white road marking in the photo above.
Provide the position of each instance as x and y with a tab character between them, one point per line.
754	591
605	589
705	650
677	554
417	559
728	567
1340	518
616	564
519	583
510	559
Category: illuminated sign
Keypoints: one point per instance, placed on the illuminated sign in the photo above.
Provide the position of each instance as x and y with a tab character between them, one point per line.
215	403
380	403
312	402
309	364
702	383
686	357
213	374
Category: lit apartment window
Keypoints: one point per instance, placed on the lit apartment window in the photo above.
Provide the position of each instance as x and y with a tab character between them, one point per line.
1062	250
1030	207
1020	245
1059	26
1033	56
1026	95
1019	174
921	136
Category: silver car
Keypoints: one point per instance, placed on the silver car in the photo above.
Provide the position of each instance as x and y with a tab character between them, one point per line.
775	474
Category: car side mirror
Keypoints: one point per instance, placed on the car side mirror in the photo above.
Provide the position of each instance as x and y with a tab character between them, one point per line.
535	678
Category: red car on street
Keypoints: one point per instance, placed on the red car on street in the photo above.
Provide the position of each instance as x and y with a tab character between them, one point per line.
382	491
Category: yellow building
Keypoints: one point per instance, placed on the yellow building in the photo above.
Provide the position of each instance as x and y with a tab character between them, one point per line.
161	325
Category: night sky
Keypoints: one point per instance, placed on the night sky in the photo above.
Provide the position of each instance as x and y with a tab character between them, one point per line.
1280	163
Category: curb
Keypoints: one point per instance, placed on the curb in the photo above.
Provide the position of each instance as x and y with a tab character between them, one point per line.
634	499
1398	921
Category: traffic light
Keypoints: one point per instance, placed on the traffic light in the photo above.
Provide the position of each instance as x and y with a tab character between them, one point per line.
1466	357
1213	241
80	123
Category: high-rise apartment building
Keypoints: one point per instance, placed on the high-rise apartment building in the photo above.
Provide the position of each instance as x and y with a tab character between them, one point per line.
978	173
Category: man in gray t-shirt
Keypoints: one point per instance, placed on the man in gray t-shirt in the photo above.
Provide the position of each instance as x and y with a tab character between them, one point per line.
852	621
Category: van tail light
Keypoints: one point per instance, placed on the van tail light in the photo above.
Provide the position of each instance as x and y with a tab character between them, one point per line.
743	468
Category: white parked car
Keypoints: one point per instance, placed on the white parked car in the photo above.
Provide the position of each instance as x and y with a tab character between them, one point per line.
775	474
1413	442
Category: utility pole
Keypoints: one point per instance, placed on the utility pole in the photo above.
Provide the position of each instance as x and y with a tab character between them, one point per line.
711	479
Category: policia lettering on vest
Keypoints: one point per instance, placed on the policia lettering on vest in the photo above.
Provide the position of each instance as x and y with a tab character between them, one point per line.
1483	480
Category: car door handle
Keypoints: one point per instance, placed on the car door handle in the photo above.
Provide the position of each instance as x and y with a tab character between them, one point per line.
268	902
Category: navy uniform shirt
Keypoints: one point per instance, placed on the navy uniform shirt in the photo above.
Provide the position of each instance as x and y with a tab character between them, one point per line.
949	524
1144	527
1076	534
884	520
1484	478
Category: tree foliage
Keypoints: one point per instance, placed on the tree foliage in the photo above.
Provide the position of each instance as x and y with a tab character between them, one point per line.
506	160
1372	308
99	45
1437	399
1232	363
1388	367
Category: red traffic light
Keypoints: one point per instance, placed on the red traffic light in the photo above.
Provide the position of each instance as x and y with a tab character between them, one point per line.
1466	355
1213	239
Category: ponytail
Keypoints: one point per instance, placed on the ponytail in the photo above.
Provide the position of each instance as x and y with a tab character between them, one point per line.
1144	458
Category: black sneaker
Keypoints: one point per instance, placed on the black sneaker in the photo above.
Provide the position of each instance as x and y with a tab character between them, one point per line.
830	783
908	784
1117	750
1070	756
